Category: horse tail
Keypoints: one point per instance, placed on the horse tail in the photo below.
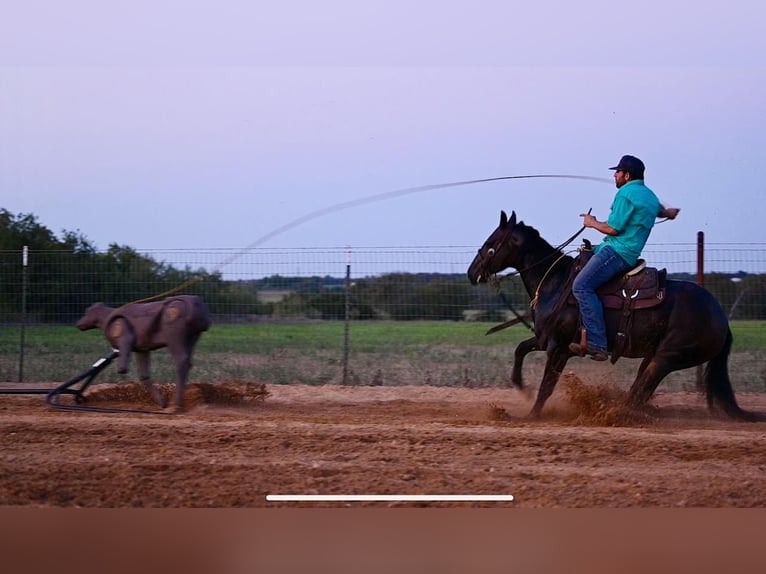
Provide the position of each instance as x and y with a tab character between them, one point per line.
718	386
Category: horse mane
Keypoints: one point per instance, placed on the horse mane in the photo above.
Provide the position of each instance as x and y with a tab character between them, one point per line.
534	240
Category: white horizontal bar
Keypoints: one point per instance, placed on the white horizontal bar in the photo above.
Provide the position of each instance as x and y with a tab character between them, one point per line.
389	497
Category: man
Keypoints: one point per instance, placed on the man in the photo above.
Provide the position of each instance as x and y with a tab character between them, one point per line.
627	229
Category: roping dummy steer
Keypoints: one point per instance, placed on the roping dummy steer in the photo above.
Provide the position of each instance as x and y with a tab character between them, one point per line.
174	322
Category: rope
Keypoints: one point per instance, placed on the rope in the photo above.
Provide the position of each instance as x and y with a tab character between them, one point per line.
181	287
357	203
534	301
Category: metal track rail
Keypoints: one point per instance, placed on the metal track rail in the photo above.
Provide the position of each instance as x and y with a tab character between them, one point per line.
53	396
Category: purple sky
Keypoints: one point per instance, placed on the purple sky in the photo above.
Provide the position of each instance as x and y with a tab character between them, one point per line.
172	125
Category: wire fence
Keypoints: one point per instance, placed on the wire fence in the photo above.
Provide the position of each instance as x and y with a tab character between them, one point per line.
397	287
385	283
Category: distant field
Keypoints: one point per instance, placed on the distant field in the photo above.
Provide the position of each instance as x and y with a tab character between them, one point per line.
390	353
272	295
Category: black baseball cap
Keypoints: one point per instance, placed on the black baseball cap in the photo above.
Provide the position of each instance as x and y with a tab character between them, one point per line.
631	164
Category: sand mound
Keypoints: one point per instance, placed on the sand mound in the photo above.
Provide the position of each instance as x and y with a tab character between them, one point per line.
601	404
231	393
497	413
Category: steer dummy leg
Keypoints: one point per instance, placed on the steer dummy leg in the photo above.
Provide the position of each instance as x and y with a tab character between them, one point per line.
181	350
142	364
121	336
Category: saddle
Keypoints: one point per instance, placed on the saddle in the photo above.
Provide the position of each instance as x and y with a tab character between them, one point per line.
640	288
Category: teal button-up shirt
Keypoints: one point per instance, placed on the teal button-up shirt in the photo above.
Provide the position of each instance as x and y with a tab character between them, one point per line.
634	211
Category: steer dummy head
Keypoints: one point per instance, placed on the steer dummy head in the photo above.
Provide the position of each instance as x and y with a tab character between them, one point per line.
94	317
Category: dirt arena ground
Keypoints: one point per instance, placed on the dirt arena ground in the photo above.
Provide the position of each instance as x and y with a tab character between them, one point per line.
239	442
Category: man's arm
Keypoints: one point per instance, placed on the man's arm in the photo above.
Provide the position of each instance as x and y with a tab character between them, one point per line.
589	220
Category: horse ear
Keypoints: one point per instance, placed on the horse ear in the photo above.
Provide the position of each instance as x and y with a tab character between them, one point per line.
503	218
513	218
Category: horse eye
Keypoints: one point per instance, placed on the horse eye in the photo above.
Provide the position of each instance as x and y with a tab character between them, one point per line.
491	251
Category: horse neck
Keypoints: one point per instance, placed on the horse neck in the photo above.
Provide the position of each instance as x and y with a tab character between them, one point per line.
542	262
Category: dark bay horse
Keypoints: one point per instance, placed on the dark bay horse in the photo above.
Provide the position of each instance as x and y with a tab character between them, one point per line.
687	329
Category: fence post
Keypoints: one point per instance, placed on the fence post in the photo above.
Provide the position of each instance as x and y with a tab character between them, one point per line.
347	316
701	283
24	261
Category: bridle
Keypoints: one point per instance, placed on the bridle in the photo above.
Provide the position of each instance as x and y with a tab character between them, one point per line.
486	257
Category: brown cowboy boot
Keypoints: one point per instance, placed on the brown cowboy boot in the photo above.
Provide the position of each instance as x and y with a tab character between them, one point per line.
581	349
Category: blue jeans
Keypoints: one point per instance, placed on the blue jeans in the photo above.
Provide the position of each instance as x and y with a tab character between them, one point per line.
602	267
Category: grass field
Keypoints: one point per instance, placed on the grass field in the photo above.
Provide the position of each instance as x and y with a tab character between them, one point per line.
390	353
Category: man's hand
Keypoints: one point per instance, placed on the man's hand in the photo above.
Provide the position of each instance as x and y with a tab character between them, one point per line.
668	212
588	220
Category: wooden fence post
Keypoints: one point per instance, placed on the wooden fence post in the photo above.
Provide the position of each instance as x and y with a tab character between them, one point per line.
701	283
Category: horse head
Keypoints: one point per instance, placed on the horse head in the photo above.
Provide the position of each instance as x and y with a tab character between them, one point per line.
502	249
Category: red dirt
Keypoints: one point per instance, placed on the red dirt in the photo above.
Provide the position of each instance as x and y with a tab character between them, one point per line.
234	445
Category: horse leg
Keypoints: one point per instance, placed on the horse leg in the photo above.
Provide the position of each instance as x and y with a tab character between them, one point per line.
650	373
557	359
521	351
142	364
643	365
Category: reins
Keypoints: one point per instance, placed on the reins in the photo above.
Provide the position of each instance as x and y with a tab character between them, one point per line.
536	298
555	249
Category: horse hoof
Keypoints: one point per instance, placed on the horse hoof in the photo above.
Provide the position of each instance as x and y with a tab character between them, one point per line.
534	415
